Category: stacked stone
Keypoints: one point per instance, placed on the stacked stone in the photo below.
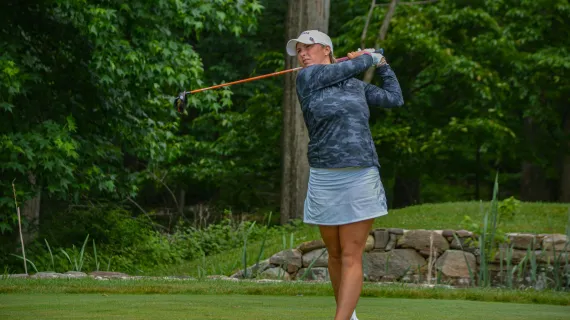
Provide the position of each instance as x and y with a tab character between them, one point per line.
392	254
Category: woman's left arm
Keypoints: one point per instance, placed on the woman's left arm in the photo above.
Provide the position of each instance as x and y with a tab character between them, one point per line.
390	95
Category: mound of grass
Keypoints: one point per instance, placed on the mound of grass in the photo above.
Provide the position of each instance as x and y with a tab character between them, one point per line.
531	217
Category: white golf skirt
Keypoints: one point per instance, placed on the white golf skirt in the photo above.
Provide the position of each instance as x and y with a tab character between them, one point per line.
342	196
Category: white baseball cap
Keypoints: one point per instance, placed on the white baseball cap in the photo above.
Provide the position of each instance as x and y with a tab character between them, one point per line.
308	37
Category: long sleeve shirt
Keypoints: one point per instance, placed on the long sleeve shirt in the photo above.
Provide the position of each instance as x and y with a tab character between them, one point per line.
336	111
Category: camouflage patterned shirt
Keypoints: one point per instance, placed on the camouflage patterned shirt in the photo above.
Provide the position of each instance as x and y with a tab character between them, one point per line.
335	107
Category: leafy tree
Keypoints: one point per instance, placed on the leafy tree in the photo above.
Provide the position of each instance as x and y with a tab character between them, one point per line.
465	69
87	87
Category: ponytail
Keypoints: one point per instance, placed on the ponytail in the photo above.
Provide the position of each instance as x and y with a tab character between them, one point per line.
332	58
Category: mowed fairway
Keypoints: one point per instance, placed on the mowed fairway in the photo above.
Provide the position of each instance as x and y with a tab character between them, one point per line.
179	306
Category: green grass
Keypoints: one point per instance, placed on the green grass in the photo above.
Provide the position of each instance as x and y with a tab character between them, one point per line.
533	217
227	262
90	306
10	287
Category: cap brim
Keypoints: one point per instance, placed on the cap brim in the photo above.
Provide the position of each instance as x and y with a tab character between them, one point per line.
292	46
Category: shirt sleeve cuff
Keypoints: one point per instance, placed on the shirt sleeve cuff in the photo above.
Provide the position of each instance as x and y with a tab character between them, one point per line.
383	68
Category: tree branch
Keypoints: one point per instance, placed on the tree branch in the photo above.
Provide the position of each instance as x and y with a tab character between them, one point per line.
425	85
369	75
145	213
365	30
409	3
382	35
167	188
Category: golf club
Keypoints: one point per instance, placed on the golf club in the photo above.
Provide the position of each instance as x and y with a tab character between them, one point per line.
180	102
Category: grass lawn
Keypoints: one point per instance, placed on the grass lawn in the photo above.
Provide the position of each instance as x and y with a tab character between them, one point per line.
214	299
180	306
221	288
532	217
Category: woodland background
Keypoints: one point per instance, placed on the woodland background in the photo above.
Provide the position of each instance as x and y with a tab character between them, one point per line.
91	143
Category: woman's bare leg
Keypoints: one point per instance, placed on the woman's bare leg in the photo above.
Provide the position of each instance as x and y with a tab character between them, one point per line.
330	235
352	242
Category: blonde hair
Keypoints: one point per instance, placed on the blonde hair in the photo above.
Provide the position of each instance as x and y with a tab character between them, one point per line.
331	55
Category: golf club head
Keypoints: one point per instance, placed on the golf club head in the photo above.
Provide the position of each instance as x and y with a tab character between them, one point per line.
180	103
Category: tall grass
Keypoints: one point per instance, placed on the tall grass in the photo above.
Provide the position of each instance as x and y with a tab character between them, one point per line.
95	256
244	260
310	267
487	238
78	258
50	255
527	270
26	261
244	255
20	230
262	247
471	273
510	270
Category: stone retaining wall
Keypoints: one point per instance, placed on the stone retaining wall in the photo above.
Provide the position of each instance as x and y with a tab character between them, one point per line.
407	256
416	255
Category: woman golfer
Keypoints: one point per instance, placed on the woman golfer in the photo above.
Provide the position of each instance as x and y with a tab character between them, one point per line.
345	192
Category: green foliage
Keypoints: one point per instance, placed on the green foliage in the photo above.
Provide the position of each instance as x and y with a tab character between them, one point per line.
492	241
49	148
77	261
508	209
131	244
222	154
87	117
478	228
471	74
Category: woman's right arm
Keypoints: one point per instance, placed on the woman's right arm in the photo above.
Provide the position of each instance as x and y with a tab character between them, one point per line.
319	76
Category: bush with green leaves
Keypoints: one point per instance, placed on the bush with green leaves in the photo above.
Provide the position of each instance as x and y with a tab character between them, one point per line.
110	238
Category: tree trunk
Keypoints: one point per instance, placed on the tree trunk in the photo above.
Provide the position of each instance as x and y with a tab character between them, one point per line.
565	176
382	36
181	201
534	185
31	213
406	191
302	15
365	30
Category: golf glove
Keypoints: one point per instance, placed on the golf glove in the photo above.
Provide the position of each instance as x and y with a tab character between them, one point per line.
378	59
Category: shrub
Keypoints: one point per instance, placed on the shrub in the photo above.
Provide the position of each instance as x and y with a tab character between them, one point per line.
120	242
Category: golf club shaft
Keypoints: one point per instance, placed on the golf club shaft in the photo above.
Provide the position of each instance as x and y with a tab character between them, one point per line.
256	78
246	80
